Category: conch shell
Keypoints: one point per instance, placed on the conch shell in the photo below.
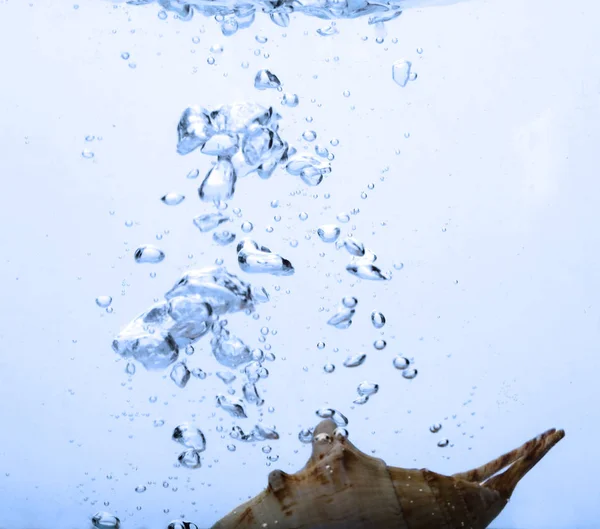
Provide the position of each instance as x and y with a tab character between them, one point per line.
342	488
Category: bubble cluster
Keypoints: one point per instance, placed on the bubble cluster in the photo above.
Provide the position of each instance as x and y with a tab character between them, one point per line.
188	312
244	138
239	14
242	135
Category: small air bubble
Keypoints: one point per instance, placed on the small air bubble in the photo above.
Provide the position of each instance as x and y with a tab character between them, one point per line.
409	373
379	344
309	135
401	72
103	301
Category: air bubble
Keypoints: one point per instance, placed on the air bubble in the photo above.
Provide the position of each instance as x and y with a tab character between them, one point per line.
290	100
409	373
309	135
379	344
173	199
401	72
401	362
148	254
103	301
355	360
377	319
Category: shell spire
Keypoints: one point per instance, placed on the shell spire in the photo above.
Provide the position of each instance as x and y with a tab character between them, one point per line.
340	487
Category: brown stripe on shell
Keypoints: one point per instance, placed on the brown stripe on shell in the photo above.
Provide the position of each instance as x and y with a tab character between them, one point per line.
418	501
342	488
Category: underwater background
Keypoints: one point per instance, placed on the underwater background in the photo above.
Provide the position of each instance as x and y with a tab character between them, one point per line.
455	142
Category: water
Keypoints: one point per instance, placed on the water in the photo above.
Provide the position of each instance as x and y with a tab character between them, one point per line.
226	376
173	199
190	459
223	238
328	413
149	253
329	233
234	407
209	221
401	72
290	100
377	319
401	362
230	350
255	259
105	520
434	428
410	373
342	319
182	524
366	389
379	344
329	368
355	360
311	170
243	136
354	247
189	436
156	336
349	302
470	255
265	79
368	271
219	183
104	301
180	374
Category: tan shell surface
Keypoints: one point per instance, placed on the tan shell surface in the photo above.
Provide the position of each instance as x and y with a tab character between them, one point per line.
341	487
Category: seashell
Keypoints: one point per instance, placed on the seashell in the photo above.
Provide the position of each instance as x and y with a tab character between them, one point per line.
342	488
